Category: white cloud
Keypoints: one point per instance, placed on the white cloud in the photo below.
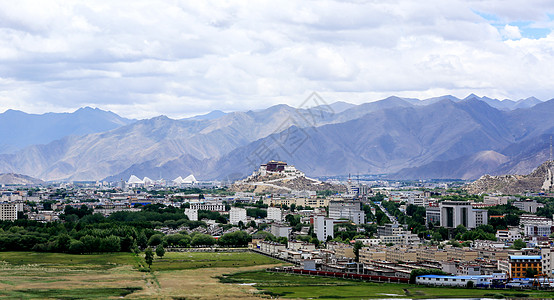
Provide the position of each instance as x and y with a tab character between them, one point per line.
512	32
145	58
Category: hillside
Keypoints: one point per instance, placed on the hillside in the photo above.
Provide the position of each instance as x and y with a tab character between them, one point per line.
515	184
18	179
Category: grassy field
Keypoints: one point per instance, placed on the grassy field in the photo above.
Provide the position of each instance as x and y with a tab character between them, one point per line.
31	275
303	287
192	260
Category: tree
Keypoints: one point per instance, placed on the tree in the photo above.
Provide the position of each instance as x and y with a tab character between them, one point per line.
357	246
518	244
155	239
148	256
202	240
63	242
530	273
141	239
160	251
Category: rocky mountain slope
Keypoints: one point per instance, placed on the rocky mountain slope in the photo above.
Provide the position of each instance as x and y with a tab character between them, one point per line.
436	138
513	184
18	179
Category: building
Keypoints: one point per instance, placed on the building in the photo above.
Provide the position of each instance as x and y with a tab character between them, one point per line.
516	265
532	230
192	214
275	214
547	257
211	206
350	210
454	213
433	214
389	230
528	205
459	281
526	219
313	202
367	255
237	215
323	227
277	167
508	235
280	230
496	200
8	212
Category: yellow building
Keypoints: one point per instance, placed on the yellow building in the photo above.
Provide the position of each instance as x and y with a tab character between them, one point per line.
368	254
311	202
518	265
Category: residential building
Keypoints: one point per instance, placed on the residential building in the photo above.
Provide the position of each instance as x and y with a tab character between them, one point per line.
350	210
237	215
323	227
368	255
211	206
508	235
389	230
433	214
547	261
192	214
496	200
8	212
280	230
532	230
275	214
516	265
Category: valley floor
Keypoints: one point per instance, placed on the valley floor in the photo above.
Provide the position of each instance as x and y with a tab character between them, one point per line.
182	275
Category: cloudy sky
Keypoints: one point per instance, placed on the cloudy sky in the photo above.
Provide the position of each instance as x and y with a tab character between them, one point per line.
180	58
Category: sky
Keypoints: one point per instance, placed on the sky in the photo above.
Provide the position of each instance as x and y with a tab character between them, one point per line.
142	59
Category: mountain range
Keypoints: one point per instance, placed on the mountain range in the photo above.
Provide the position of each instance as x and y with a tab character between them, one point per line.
443	137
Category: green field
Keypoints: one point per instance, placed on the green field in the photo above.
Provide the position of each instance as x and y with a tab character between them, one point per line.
33	275
199	260
185	275
313	287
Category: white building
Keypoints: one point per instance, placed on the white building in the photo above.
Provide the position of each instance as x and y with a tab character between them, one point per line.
350	210
8	211
211	206
508	235
460	281
454	213
237	215
192	214
280	230
275	214
547	261
528	205
496	200
538	229
323	227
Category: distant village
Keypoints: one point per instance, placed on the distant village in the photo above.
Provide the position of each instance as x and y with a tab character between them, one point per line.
378	228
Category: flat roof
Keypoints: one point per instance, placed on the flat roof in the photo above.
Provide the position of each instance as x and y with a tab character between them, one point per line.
525	257
456	277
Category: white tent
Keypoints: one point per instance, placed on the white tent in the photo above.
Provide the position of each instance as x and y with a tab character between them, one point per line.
134	180
178	180
190	179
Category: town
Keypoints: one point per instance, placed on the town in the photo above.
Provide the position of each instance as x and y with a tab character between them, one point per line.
384	230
